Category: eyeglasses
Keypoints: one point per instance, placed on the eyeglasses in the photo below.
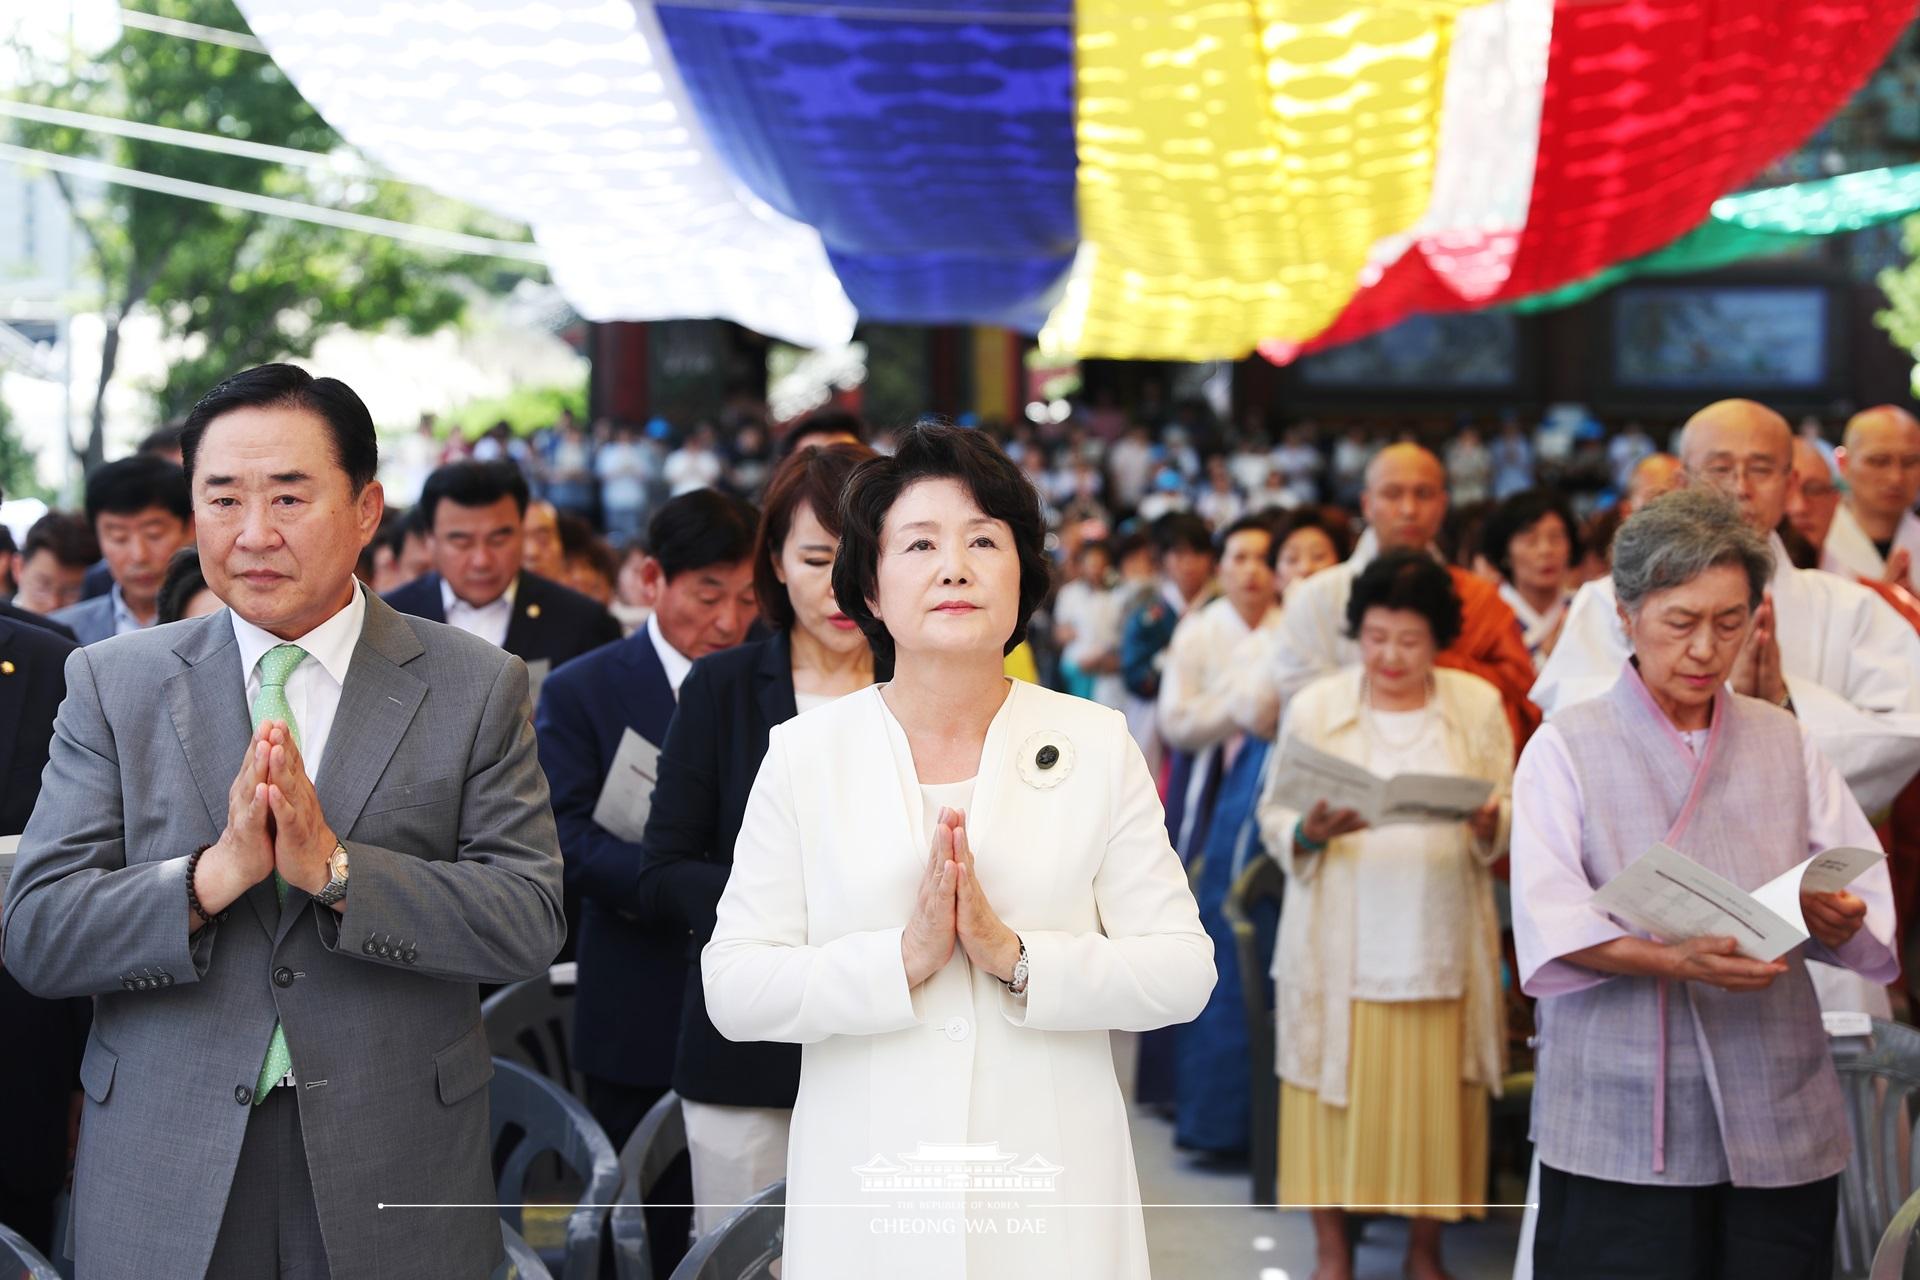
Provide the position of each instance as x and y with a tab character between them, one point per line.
1723	472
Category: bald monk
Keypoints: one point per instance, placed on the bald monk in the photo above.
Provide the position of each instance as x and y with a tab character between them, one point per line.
1811	512
1875	534
1829	650
1405	501
1655	474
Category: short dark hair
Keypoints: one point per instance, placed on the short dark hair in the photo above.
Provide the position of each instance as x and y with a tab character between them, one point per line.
183	582
468	483
1181	530
1413	581
395	524
1520	513
824	422
162	439
937	451
813	478
1258	522
1331	521
701	528
132	485
579	543
66	535
355	446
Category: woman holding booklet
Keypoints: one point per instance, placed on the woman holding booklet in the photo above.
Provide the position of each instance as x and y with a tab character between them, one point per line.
1686	1115
1387	965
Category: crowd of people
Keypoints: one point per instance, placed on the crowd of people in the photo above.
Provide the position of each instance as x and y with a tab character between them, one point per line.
833	878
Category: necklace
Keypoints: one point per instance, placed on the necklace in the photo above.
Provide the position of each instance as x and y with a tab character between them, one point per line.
1378	732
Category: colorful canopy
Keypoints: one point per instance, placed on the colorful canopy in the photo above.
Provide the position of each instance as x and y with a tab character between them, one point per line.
1174	179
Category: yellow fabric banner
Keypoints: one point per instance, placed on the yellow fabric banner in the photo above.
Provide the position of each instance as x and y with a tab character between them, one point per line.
1238	159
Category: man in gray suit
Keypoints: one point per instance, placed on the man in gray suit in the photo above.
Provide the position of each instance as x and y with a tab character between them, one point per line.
280	846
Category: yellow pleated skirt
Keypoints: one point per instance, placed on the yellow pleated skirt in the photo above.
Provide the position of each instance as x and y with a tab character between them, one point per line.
1412	1139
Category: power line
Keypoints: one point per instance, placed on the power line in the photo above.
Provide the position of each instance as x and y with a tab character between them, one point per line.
274	206
216	143
191	30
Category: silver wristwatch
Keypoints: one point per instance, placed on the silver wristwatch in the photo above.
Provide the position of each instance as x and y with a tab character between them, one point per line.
336	886
1018	983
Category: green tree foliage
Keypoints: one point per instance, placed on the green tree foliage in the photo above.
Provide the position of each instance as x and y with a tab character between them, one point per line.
1901	285
17	472
239	287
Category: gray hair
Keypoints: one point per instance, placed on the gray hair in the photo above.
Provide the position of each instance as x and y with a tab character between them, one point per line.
1676	538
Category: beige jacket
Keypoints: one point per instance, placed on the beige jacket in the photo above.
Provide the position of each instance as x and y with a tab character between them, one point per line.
1323	925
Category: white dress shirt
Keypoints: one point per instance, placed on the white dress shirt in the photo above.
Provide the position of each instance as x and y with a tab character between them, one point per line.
123	619
675	663
488	621
313	690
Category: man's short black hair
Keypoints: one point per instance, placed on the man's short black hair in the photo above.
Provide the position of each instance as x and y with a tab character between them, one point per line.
701	528
1520	513
936	451
1181	530
471	484
163	440
185	580
287	386
822	424
67	535
1409	580
132	485
1259	522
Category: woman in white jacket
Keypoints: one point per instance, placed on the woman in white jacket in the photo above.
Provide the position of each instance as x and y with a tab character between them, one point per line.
950	888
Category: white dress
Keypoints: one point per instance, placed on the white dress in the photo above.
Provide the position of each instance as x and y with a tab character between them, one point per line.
925	1115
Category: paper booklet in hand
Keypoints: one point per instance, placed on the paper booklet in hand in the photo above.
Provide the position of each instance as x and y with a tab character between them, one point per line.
626	797
1306	775
1669	895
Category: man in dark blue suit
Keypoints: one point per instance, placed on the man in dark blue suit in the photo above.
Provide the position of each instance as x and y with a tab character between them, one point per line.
699	573
473	513
41	1070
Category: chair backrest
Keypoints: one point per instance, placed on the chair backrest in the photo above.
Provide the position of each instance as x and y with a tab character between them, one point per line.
746	1245
1879	1078
522	1263
20	1259
531	1117
657	1140
531	1023
1252	911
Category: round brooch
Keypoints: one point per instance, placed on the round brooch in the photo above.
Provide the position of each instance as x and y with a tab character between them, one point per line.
1045	759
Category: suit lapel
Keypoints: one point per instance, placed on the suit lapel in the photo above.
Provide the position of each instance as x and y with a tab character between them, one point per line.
773	680
524	629
13	693
377	704
208	705
653	698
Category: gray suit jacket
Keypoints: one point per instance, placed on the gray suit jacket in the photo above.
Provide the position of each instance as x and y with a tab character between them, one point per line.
431	779
91	620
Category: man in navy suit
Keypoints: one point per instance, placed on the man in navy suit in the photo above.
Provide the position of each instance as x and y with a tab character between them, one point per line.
41	1072
699	572
473	513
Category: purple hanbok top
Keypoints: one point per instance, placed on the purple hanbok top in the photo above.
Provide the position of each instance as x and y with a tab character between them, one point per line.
1646	1081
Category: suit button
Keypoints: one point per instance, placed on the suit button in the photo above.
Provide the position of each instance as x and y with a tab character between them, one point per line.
283	977
128	984
370	947
956	1028
242	1094
409	955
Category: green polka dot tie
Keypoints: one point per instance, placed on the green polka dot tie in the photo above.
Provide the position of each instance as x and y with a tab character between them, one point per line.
276	664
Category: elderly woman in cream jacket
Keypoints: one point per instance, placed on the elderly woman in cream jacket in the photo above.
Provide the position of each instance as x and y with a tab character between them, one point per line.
1387	966
950	889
